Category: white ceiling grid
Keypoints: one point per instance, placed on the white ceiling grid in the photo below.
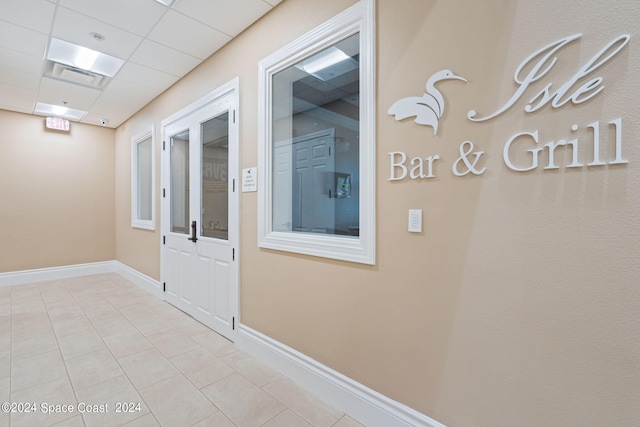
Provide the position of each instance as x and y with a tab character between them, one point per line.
159	44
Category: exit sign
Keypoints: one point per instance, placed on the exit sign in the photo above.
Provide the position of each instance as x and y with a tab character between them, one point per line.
57	123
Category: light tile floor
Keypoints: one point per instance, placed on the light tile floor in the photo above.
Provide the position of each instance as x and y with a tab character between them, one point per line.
99	351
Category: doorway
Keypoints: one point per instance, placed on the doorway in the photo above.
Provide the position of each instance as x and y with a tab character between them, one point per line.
200	210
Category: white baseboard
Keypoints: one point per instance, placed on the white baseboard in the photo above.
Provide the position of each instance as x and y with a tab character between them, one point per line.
361	403
55	273
68	271
147	283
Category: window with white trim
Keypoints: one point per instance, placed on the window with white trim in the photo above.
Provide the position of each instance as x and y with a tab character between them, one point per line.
317	141
142	181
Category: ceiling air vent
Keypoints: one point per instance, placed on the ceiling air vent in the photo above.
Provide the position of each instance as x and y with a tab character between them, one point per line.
75	75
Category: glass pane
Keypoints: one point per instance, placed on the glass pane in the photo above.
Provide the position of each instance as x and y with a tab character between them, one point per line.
144	179
316	122
180	183
214	219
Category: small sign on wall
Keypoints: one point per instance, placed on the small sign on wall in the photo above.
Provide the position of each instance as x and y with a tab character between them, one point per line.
249	180
57	123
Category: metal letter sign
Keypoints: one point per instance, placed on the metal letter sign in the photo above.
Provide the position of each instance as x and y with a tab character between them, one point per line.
429	108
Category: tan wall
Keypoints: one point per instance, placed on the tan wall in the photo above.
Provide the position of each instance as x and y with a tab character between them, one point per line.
517	305
136	247
519	299
56	194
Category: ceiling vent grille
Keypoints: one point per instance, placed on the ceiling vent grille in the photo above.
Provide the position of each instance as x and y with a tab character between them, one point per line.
75	75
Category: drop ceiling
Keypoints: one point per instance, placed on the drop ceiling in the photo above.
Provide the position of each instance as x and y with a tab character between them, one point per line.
159	45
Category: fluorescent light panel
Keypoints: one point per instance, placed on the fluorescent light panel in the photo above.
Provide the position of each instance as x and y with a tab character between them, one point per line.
84	58
59	111
322	60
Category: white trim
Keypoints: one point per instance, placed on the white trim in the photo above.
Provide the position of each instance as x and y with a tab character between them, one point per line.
137	139
78	270
143	281
54	273
231	86
359	18
361	403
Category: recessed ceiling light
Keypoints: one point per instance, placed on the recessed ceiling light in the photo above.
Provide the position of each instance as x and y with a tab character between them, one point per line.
59	111
322	60
328	64
166	2
84	58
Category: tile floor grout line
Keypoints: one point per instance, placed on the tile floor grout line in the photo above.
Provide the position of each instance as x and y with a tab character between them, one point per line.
183	374
75	393
124	372
168	359
73	387
57	346
126	295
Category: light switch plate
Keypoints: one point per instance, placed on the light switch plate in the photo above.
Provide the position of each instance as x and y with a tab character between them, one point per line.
415	220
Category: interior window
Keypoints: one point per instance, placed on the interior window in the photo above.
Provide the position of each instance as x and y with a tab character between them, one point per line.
142	171
315	143
318	142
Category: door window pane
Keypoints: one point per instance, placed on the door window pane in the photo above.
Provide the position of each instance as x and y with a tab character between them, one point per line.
179	164
315	134
214	217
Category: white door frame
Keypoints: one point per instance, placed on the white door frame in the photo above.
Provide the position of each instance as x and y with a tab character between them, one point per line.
230	89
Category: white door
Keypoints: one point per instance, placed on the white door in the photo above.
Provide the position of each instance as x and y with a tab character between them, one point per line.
313	184
200	213
304	173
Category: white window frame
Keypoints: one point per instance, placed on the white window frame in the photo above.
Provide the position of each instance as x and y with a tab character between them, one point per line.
359	18
135	221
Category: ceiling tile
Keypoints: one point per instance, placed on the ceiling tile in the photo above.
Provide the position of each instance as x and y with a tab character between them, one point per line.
19	61
33	14
145	76
107	110
121	100
110	111
162	58
126	95
115	113
17	98
230	17
137	16
18	78
77	28
22	39
55	92
188	35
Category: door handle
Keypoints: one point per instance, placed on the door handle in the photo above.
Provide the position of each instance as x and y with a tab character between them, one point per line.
193	237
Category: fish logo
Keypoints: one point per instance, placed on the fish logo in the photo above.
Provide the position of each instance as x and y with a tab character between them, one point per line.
428	108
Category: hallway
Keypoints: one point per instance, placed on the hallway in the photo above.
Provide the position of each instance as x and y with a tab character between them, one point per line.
100	343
